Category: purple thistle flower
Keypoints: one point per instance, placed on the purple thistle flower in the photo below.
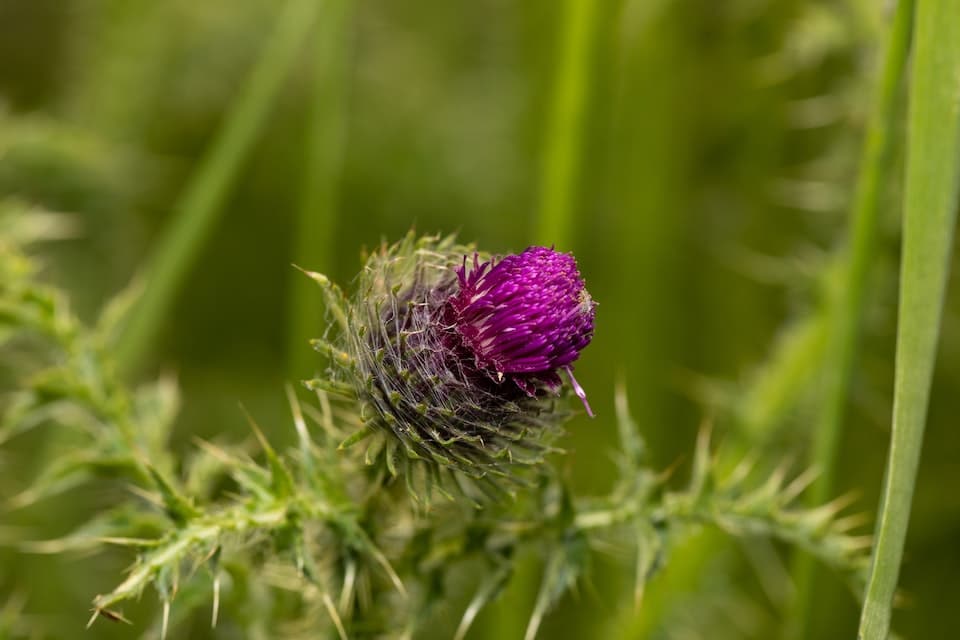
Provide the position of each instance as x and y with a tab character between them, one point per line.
524	317
453	362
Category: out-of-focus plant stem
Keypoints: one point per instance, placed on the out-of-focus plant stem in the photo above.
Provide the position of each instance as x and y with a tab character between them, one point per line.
929	217
562	145
200	205
559	176
313	246
847	300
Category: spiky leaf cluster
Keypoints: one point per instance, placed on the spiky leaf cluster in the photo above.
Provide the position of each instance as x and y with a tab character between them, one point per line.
361	558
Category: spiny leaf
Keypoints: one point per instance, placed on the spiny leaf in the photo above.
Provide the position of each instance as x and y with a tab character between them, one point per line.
565	565
631	442
649	551
24	411
331	386
490	587
180	508
362	543
336	303
340	356
101	529
281	478
367	430
63	474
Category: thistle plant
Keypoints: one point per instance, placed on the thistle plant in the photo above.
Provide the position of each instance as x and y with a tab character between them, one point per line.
446	362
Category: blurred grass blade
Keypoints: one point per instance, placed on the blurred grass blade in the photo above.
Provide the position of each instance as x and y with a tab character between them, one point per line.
847	310
930	207
846	304
777	387
313	238
562	149
562	144
199	207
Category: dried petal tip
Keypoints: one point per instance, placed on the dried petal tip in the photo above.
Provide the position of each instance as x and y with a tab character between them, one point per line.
524	317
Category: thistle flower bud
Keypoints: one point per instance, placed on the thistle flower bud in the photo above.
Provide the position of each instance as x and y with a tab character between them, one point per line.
456	355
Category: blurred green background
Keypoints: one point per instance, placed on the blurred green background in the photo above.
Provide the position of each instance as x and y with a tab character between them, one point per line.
698	156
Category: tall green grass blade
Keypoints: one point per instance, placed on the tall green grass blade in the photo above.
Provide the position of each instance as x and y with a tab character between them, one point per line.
200	206
313	241
846	306
563	143
930	207
650	176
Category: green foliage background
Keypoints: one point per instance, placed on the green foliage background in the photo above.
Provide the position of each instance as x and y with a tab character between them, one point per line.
699	157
